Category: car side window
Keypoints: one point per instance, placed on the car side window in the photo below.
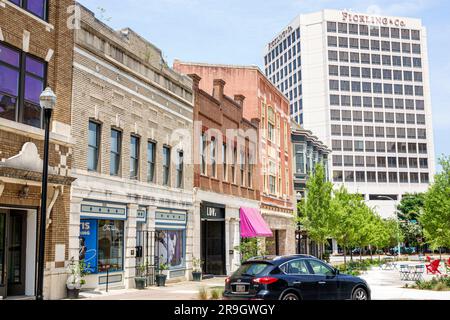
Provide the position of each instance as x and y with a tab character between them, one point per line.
320	268
295	267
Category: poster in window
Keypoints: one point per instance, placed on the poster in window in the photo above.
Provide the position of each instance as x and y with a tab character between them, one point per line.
88	244
170	246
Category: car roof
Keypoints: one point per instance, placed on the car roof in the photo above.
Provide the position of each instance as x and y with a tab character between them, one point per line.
277	260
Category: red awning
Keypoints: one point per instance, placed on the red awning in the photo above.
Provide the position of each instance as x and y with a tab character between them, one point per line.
253	224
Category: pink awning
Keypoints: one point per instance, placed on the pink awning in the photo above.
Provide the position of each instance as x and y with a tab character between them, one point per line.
253	224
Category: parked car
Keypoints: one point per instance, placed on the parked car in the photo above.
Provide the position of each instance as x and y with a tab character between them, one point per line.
296	277
403	250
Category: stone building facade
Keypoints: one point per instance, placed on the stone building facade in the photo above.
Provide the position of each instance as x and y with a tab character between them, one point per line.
132	122
225	178
308	151
36	46
266	103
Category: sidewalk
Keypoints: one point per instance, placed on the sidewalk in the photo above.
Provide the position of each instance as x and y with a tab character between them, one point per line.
177	291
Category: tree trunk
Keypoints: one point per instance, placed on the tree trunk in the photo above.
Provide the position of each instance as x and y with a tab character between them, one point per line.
360	254
351	254
345	257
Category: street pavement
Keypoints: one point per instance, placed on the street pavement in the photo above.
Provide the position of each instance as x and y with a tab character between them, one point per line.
384	284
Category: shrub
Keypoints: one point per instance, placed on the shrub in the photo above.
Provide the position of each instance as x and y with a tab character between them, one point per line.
203	294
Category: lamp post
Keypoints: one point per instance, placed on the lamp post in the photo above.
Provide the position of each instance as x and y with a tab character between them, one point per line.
47	102
398	224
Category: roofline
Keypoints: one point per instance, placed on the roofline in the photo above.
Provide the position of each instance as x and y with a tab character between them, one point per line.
233	66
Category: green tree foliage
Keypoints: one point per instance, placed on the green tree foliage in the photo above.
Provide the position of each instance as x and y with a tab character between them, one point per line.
408	212
436	217
316	210
346	222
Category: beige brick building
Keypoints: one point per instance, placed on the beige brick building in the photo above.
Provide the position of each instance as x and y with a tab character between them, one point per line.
36	46
132	121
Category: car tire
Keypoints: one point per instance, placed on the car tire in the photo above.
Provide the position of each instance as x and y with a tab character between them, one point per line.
360	294
290	296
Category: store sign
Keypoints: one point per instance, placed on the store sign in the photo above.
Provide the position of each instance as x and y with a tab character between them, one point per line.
213	213
374	20
88	244
282	35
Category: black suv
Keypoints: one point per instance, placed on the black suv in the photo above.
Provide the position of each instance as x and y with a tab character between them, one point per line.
296	277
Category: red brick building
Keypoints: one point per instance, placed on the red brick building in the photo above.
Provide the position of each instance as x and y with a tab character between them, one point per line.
266	103
36	48
224	176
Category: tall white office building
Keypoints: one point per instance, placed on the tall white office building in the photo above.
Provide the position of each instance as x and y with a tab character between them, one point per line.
361	84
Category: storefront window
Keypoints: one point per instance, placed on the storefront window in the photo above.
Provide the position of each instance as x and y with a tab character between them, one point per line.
170	246
110	245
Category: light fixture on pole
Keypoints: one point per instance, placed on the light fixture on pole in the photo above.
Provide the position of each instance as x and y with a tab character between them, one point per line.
47	102
398	224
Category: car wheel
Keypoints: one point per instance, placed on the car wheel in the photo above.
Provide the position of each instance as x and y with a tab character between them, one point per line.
360	294
291	297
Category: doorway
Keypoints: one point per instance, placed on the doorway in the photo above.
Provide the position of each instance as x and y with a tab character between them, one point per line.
213	247
13	250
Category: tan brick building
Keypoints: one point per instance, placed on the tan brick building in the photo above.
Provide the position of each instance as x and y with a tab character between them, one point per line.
132	122
266	103
36	46
225	179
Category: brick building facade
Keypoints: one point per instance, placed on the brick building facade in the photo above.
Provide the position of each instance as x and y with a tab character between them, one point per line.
132	121
266	103
36	46
225	178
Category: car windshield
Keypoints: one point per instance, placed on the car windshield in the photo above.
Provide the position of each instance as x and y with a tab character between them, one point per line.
251	269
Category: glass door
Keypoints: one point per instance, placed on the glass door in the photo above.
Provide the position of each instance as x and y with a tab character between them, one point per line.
3	288
16	253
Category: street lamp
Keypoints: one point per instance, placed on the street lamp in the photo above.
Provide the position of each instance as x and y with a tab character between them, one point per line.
47	102
398	224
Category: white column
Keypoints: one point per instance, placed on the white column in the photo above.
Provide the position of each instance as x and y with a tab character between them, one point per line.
196	230
190	244
335	246
74	228
130	246
227	244
236	243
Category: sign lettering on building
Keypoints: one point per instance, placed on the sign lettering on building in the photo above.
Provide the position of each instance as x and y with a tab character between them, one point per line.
374	20
280	37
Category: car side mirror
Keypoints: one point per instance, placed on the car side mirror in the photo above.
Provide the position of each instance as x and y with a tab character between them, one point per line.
337	272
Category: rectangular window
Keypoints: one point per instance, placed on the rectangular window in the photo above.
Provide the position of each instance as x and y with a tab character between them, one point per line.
224	162
166	166
93	145
171	247
151	153
180	166
110	245
338	176
35	7
134	158
213	155
242	167
202	153
23	80
115	154
233	166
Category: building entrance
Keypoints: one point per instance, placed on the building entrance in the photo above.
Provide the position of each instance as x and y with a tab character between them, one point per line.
213	239
13	238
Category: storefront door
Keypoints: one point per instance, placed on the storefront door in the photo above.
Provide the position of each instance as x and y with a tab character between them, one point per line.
12	252
213	247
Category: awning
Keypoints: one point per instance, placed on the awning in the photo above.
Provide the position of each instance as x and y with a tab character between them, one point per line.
253	224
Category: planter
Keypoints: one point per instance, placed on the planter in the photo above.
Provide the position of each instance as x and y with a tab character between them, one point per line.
161	280
140	283
196	276
73	293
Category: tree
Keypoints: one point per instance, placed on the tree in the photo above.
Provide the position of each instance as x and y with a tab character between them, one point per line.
315	210
347	219
408	212
436	217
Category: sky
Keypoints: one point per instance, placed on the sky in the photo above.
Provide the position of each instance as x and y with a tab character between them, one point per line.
236	31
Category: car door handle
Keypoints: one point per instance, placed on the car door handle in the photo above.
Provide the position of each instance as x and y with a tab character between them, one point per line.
322	282
297	282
